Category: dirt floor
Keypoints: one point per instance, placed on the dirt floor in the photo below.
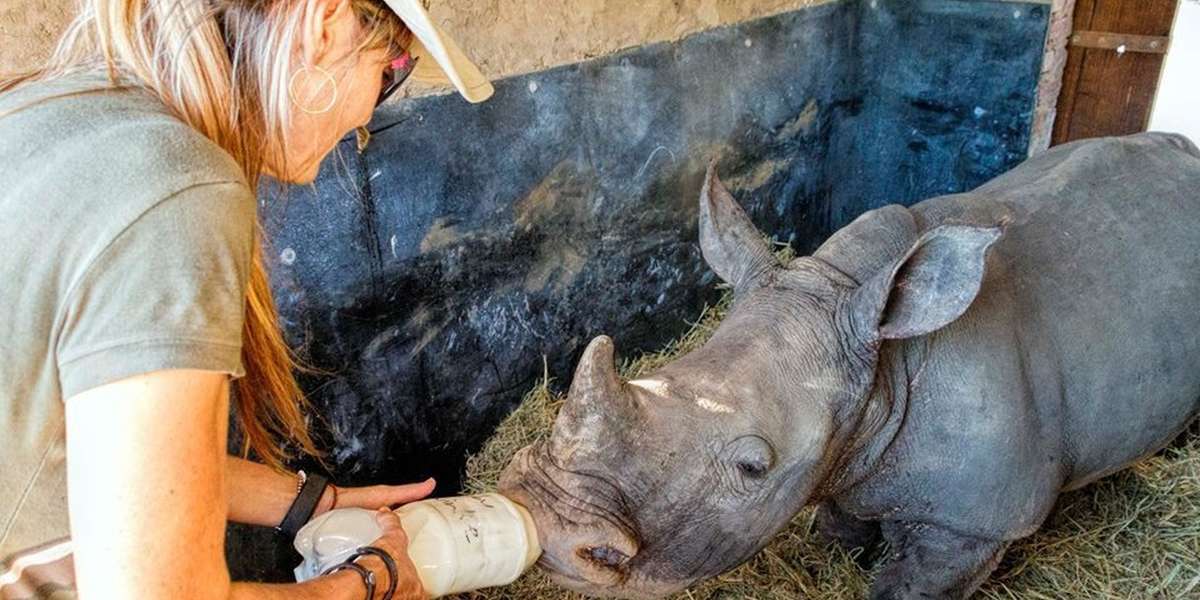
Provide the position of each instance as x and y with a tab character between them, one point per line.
506	37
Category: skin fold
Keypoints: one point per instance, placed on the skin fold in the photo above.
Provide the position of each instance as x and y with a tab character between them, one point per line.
932	376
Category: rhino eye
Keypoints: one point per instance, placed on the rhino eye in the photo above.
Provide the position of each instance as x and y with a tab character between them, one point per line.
752	469
752	456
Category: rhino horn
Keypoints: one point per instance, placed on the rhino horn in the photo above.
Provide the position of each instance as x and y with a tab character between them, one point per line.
596	399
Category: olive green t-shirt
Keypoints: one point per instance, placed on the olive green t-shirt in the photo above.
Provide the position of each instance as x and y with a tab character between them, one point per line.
125	245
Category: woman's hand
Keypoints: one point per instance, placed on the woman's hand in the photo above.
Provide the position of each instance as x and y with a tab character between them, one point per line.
260	495
374	496
395	542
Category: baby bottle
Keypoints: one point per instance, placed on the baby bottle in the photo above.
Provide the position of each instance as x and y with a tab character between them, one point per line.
457	544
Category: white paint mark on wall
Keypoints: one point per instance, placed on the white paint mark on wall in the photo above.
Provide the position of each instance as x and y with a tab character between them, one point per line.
374	175
651	157
533	86
288	256
392	243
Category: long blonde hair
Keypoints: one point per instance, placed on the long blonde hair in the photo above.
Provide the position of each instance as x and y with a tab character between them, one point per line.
222	66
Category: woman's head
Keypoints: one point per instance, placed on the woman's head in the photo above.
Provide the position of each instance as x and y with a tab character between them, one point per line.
276	83
339	51
313	68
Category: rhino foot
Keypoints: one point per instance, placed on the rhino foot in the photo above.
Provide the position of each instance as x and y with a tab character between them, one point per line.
931	563
861	539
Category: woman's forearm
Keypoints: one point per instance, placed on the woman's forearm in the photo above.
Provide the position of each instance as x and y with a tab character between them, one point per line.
344	585
260	495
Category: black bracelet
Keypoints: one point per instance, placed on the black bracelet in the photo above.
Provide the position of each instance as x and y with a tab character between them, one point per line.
367	576
388	562
303	506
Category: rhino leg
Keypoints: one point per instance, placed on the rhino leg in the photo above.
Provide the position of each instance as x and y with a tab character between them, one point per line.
932	563
838	526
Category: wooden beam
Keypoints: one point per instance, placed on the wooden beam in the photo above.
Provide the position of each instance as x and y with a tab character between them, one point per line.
1121	42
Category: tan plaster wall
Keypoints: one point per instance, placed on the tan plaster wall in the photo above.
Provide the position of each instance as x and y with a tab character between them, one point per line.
29	30
505	37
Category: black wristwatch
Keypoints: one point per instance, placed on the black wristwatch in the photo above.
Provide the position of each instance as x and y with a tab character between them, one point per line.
302	508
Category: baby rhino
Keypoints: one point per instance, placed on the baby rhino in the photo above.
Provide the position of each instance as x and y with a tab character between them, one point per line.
934	375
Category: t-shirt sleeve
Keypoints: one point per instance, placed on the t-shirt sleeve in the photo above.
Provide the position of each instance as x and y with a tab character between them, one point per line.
167	293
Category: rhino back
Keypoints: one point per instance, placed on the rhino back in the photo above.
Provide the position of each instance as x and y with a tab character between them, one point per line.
1081	352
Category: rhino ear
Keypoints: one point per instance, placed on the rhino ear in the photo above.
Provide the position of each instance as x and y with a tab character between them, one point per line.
871	242
731	244
928	287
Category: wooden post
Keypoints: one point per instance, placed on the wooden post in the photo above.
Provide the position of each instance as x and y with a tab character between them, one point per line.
1113	65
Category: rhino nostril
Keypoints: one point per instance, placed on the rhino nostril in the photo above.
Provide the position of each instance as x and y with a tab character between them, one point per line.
605	556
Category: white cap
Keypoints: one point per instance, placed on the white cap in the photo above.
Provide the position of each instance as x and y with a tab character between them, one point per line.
441	60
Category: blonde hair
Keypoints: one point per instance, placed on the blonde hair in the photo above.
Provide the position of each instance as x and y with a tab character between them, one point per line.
222	66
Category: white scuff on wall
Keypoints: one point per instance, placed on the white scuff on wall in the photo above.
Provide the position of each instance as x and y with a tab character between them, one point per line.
1177	105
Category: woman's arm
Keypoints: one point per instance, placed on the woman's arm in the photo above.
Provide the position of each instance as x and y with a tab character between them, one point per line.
260	495
147	496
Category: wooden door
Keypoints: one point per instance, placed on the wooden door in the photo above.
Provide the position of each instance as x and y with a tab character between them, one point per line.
1113	65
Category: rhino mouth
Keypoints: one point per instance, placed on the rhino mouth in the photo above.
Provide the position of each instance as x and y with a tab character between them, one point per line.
589	539
631	584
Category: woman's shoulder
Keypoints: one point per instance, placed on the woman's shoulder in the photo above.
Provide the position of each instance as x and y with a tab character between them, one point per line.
87	130
102	178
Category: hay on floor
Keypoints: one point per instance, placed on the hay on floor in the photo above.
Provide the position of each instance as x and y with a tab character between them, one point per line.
1131	536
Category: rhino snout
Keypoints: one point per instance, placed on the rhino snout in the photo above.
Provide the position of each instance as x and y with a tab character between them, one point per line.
587	545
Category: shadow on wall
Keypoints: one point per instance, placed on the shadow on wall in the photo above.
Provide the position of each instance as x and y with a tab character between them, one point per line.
433	275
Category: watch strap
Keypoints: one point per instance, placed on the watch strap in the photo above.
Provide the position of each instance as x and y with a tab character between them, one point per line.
303	506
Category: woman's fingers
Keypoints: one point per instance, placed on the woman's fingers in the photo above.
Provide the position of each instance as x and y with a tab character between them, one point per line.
403	494
389	522
394	541
377	496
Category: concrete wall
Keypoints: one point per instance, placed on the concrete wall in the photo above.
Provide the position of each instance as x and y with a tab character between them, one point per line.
29	29
506	37
1058	37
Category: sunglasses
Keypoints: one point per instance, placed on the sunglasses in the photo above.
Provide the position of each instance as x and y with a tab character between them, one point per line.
394	75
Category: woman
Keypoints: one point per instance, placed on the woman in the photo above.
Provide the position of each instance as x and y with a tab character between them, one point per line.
136	295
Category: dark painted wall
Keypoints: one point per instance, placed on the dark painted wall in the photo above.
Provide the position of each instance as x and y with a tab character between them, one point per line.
947	91
429	276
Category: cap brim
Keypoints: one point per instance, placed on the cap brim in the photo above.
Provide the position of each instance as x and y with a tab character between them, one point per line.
440	60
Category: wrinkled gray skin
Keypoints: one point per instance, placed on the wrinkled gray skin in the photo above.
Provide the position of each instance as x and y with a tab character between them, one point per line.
935	375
